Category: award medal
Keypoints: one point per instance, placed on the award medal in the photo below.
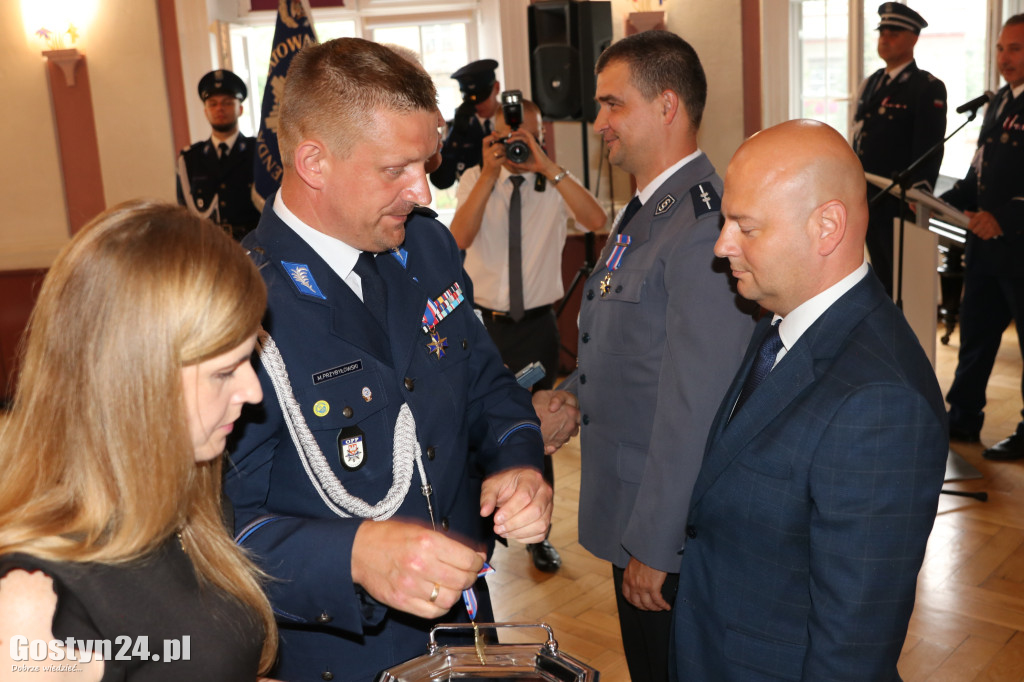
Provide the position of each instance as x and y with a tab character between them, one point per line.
436	310
614	261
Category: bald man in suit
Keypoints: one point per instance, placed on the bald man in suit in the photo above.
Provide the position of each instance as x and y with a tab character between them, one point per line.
808	522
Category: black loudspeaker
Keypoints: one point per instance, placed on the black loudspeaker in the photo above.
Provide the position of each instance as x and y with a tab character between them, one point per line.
566	38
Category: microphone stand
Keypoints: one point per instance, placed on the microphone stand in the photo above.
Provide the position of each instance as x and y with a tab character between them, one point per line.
902	179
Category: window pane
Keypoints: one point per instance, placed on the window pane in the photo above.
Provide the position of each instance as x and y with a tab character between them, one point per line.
952	48
822	50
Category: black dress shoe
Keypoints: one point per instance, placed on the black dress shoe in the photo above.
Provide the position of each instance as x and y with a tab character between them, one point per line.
545	557
1007	450
964	435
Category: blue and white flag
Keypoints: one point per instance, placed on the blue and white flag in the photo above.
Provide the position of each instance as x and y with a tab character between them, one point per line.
293	32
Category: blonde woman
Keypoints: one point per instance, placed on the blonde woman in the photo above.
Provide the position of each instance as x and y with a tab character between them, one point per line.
114	559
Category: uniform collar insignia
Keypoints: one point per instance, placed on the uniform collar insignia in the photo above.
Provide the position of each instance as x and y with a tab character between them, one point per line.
303	279
401	255
664	204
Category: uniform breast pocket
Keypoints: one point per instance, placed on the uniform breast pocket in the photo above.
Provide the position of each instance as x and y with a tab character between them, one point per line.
342	395
623	318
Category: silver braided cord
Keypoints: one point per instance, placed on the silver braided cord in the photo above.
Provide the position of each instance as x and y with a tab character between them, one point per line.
335	496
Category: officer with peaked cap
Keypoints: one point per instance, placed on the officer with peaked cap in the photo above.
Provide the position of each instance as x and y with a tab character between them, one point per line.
215	175
474	120
901	114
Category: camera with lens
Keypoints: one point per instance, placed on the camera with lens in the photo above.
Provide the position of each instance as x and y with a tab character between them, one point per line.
516	151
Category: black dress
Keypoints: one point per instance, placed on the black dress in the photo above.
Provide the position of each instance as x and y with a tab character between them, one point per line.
149	611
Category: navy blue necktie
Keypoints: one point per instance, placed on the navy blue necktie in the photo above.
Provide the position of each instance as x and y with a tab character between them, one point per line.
631	208
770	346
224	151
375	293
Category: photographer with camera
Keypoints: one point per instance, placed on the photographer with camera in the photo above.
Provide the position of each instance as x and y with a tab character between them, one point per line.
472	123
513	227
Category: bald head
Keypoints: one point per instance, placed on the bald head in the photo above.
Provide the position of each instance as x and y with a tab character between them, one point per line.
795	214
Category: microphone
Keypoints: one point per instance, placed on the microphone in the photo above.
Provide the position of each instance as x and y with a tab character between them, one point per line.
976	103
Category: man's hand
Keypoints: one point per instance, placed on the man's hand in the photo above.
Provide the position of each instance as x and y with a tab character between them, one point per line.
984	225
559	416
521	502
641	586
399	564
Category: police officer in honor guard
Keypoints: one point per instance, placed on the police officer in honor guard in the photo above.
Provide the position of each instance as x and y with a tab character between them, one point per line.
474	120
901	114
992	193
662	332
215	175
393	445
521	206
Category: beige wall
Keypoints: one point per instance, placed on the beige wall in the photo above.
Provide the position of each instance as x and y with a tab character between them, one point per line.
133	125
122	45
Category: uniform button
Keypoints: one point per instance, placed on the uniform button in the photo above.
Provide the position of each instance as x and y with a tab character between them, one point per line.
347	412
465	344
431	453
222	185
618	289
691	532
585	337
327	675
444	523
323	618
590	295
586	419
410	384
583	378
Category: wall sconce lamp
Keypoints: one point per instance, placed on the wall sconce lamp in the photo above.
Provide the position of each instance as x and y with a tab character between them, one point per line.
77	144
62	51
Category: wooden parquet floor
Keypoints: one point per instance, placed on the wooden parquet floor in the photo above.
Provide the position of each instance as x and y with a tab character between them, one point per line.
968	624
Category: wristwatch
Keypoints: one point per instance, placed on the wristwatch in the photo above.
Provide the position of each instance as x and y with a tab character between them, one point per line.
558	178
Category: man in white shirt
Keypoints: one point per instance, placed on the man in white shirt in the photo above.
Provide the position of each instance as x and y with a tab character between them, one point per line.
515	295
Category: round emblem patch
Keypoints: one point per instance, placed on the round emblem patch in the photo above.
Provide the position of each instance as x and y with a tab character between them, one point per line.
321	408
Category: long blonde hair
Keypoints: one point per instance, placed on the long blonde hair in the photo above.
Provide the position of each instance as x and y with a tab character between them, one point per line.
96	456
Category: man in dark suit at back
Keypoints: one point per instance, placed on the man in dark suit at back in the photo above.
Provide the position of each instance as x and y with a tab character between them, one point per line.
901	114
993	193
215	175
808	522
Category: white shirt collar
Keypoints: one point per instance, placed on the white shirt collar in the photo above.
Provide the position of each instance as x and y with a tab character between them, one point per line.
645	193
230	142
1015	92
895	71
336	253
804	315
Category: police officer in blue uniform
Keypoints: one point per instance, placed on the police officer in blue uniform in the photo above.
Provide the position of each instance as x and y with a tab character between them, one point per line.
390	431
474	120
215	175
901	114
993	195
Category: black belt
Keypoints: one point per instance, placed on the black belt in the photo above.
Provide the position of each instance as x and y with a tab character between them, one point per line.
499	316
